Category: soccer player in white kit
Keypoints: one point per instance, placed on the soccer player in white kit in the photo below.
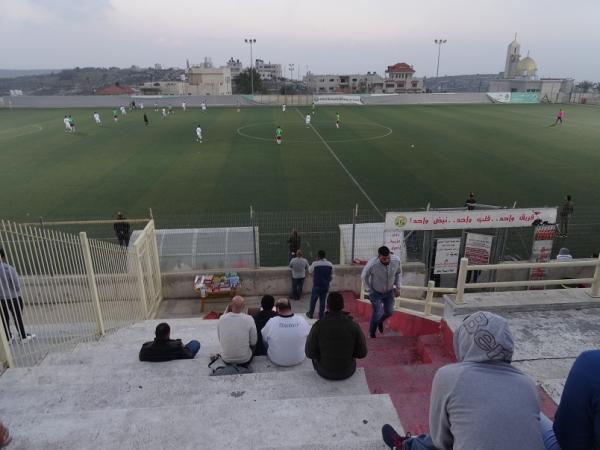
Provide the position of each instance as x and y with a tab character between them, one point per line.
164	113
97	118
199	133
141	105
203	106
307	121
67	124
183	106
283	107
123	111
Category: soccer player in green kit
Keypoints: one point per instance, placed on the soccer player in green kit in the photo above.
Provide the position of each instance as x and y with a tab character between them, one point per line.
279	135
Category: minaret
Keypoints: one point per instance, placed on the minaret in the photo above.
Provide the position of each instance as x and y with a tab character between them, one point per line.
513	54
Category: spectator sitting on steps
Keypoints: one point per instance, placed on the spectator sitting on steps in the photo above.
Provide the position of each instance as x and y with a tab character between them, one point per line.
260	320
285	335
335	341
163	348
482	401
237	334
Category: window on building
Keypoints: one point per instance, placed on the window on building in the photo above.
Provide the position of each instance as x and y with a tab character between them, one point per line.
354	79
415	84
331	80
401	84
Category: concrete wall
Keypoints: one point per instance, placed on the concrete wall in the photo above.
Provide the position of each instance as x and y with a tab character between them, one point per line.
112	101
277	281
418	99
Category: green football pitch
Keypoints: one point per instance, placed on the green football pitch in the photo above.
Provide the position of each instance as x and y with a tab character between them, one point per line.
382	157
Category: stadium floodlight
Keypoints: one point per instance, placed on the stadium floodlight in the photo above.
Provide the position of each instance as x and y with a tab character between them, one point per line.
439	43
291	68
251	41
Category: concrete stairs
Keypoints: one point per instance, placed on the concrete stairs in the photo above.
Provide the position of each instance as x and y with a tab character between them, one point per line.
402	362
100	396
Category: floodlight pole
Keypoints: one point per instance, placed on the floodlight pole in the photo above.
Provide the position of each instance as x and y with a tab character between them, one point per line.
439	43
251	41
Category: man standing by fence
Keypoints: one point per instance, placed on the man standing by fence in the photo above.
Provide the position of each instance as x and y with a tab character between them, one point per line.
10	297
382	277
122	230
323	272
564	214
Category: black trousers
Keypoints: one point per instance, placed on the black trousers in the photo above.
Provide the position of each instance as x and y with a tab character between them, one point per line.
15	306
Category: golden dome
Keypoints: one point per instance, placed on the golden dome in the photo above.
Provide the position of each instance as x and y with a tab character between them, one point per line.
526	67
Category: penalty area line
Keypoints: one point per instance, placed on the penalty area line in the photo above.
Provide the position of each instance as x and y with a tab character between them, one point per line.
339	161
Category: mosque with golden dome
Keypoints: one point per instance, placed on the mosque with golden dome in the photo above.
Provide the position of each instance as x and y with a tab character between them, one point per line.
520	78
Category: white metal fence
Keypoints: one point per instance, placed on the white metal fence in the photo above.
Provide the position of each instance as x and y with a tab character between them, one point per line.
66	289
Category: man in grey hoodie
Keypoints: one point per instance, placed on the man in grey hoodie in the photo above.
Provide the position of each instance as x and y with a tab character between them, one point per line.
482	401
382	277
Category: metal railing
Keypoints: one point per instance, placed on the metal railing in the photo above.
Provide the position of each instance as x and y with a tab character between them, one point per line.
67	289
464	267
426	305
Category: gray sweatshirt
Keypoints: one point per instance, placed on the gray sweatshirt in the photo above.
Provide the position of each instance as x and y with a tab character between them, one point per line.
381	278
299	267
482	402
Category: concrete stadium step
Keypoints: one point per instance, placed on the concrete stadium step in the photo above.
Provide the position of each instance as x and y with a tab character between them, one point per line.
337	422
409	388
134	343
200	362
145	390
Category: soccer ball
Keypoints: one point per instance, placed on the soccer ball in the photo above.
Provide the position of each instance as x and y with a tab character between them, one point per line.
412	145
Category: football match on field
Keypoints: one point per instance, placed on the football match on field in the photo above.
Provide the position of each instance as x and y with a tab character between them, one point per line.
380	157
377	157
275	225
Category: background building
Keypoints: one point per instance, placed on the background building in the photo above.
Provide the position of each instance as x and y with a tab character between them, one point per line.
201	79
400	80
235	67
343	84
268	71
521	75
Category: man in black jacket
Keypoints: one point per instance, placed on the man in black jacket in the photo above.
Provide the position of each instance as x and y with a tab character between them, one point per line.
122	230
163	348
260	319
335	341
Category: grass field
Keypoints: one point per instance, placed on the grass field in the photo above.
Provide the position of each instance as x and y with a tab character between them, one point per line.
382	157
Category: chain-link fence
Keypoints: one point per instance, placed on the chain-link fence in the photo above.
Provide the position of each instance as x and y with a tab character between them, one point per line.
345	235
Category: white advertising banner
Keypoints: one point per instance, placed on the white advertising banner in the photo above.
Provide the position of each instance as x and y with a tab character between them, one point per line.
446	256
337	99
394	240
458	220
499	97
478	248
541	250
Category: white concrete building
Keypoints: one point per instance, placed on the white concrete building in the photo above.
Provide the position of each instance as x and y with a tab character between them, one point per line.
268	71
235	67
342	84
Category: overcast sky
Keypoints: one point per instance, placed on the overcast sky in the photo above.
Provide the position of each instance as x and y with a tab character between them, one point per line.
327	36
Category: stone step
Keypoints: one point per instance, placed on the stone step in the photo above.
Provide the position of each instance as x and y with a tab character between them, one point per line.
336	422
134	343
200	362
147	390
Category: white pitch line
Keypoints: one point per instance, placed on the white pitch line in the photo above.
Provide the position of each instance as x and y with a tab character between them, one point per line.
357	184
